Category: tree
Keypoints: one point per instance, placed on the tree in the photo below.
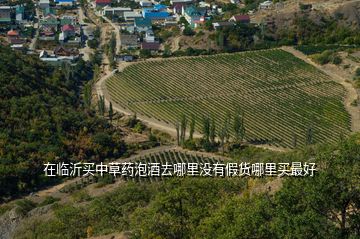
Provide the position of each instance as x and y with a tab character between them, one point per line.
183	126
239	127
101	105
212	134
206	129
188	31
309	136
177	128
111	112
192	127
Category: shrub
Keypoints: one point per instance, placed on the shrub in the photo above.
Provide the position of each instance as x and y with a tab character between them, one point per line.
24	206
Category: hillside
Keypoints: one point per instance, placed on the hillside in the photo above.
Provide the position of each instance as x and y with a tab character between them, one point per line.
280	96
215	207
42	119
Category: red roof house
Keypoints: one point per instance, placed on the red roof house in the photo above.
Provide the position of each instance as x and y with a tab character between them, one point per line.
12	33
102	3
68	28
240	18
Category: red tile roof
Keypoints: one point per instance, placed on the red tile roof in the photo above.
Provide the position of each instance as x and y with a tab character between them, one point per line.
103	1
150	45
240	18
68	27
12	33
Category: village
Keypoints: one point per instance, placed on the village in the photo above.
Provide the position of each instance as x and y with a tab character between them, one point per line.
67	30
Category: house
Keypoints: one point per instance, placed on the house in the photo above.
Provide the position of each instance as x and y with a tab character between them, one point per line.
177	8
68	20
115	11
244	19
128	41
62	51
126	58
68	30
68	3
5	14
220	25
102	3
55	60
145	3
44	4
265	5
49	21
131	16
19	11
235	1
157	12
14	38
194	15
149	36
142	24
152	46
181	1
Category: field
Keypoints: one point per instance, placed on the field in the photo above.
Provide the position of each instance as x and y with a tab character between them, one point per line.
281	96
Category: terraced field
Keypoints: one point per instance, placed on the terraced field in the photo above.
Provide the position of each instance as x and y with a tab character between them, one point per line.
281	95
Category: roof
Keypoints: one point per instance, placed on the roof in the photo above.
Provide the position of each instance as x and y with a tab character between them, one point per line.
103	1
150	45
132	15
223	24
127	39
142	22
159	7
240	18
64	0
5	8
154	14
193	11
65	21
68	27
12	33
20	9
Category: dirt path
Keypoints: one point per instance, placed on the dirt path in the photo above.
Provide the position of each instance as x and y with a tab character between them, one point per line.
351	95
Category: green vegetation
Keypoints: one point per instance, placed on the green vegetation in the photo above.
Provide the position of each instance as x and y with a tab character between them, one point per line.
323	206
279	95
327	57
43	119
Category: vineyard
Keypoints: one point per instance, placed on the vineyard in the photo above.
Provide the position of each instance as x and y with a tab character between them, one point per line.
281	96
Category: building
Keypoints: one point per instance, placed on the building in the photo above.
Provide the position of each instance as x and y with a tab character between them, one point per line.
19	13
152	46
14	37
62	51
44	4
142	24
49	11
128	41
145	3
68	30
5	14
131	16
68	3
55	60
265	5
102	3
220	25
194	15
181	1
244	19
149	36
157	12
115	11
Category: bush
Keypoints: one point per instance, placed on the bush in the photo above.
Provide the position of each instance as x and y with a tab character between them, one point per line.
24	206
81	196
105	180
48	200
188	31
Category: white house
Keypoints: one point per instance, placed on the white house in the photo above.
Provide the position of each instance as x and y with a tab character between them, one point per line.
149	36
131	16
115	11
145	3
265	5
